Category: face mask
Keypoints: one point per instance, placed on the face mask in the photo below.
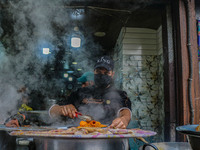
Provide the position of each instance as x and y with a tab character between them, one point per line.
102	80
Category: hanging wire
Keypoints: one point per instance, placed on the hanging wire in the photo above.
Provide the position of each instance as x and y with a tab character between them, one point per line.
188	15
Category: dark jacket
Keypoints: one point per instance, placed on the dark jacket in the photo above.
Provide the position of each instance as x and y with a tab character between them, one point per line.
101	104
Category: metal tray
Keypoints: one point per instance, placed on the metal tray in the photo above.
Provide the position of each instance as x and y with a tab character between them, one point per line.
36	112
136	133
31	128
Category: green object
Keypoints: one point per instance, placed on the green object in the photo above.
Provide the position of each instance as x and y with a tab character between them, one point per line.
87	76
24	107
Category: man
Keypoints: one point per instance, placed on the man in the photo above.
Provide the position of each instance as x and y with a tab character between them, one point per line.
87	79
102	101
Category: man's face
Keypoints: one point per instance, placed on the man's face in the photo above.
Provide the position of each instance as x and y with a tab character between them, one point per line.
102	70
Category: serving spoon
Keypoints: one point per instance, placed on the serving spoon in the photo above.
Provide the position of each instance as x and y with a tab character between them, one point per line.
83	117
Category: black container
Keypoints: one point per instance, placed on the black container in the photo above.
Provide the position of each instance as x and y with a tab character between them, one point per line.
192	135
194	142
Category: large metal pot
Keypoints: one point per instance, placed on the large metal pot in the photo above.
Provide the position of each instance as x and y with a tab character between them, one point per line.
81	144
51	141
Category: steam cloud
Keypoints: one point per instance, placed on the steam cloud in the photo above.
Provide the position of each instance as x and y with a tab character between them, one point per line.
33	25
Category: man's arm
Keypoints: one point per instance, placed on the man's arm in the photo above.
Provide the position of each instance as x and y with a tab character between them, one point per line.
64	110
123	120
124	113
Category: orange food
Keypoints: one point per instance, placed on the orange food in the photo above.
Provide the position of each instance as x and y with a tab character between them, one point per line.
92	123
198	128
83	123
102	125
27	126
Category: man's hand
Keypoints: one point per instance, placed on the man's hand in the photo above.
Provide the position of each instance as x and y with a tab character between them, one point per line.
123	120
12	123
120	122
68	110
65	110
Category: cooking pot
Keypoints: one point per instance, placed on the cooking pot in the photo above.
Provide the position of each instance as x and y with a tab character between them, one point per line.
51	141
81	144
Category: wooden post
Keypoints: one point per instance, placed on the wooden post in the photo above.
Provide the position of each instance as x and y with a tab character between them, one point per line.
182	63
169	76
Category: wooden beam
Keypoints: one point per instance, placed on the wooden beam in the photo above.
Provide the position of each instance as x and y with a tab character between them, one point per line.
182	63
113	4
169	75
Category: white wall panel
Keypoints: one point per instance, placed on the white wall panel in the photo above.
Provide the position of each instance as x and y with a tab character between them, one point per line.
140	36
139	73
139	47
139	41
139	30
140	52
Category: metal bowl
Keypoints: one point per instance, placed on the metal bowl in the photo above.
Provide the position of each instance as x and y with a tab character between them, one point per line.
192	135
